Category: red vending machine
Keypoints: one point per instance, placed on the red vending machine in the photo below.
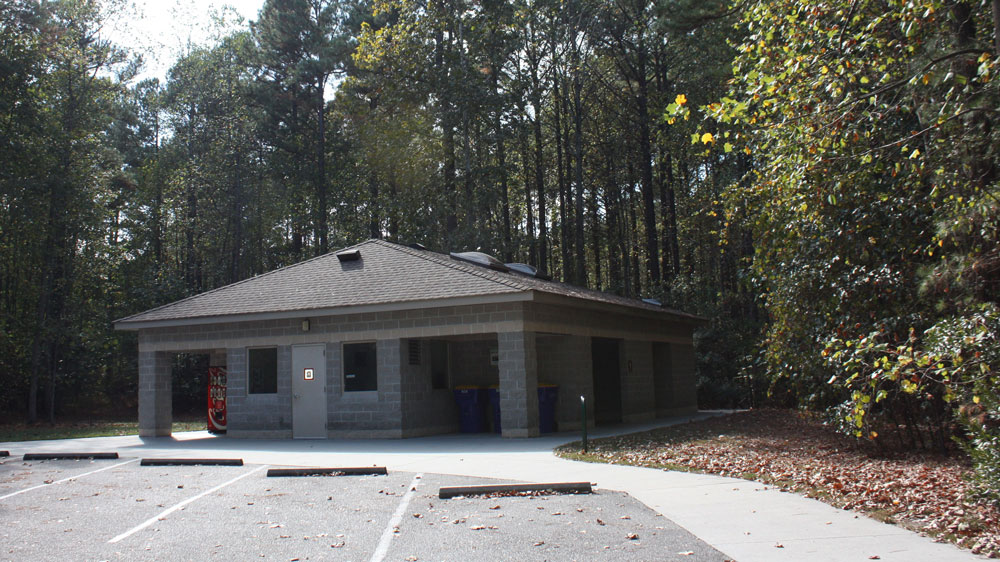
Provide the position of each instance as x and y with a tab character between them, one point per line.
217	399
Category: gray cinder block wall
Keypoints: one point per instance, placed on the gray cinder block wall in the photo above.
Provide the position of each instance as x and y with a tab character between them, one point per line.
518	384
155	393
258	415
536	343
367	414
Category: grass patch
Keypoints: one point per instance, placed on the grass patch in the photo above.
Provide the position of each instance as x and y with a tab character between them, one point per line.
91	428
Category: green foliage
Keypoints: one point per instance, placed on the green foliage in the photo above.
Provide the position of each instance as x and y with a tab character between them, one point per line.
526	129
873	206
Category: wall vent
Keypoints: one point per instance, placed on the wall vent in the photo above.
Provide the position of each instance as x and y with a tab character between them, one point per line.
414	351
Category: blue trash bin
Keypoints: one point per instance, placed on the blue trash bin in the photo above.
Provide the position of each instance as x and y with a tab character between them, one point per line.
470	408
494	392
547	396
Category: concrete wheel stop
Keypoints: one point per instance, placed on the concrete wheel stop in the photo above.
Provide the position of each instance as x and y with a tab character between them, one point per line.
191	462
68	456
513	489
341	471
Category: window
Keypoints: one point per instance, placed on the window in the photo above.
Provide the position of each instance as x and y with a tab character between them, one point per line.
439	364
360	367
263	370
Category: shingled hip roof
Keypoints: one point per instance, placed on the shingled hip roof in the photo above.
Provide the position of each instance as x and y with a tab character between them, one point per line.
386	274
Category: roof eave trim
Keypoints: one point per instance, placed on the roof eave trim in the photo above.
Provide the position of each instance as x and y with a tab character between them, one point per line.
637	309
135	325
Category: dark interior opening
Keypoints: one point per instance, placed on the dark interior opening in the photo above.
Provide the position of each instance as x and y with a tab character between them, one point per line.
607	380
189	384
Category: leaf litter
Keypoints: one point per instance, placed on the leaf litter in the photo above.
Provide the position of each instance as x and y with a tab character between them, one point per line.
797	452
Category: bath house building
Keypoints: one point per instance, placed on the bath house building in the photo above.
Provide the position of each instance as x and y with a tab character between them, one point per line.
373	340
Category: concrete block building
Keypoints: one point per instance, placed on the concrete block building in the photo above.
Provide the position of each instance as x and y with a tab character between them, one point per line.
371	341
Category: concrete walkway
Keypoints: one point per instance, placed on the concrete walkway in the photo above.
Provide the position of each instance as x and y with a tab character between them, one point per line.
742	519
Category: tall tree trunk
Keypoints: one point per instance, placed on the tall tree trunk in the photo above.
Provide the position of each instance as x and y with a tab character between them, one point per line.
668	208
508	250
611	210
581	262
157	210
561	173
543	250
394	207
236	218
534	62
636	289
646	170
322	226
595	237
528	203
190	269
451	220
996	27
374	220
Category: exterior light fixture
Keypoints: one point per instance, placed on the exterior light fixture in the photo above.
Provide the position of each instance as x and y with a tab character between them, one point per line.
305	325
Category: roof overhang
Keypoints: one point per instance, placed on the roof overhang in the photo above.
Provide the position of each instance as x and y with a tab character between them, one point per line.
134	325
639	309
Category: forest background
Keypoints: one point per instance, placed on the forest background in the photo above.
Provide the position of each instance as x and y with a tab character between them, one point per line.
819	178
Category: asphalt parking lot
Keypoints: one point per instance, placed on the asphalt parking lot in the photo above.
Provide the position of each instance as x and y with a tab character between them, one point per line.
119	510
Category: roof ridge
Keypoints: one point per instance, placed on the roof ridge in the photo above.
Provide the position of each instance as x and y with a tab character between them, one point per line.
240	282
515	283
475	270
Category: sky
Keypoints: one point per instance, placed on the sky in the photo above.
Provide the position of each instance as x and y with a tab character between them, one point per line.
162	29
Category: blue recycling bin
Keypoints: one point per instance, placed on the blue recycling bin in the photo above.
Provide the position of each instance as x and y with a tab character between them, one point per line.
471	400
494	393
547	396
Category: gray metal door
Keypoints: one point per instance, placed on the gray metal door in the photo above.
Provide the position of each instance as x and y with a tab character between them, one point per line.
309	391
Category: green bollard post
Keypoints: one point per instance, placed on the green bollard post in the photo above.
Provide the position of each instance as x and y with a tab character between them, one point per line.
583	419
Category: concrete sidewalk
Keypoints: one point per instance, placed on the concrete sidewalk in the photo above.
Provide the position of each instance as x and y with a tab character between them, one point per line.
743	519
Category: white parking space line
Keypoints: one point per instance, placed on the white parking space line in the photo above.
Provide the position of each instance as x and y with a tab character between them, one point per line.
170	510
67	479
390	531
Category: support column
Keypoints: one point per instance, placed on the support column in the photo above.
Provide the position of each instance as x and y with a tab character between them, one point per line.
518	384
155	394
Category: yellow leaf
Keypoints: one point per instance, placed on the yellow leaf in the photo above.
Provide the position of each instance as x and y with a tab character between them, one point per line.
747	150
975	399
824	70
707	138
681	99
